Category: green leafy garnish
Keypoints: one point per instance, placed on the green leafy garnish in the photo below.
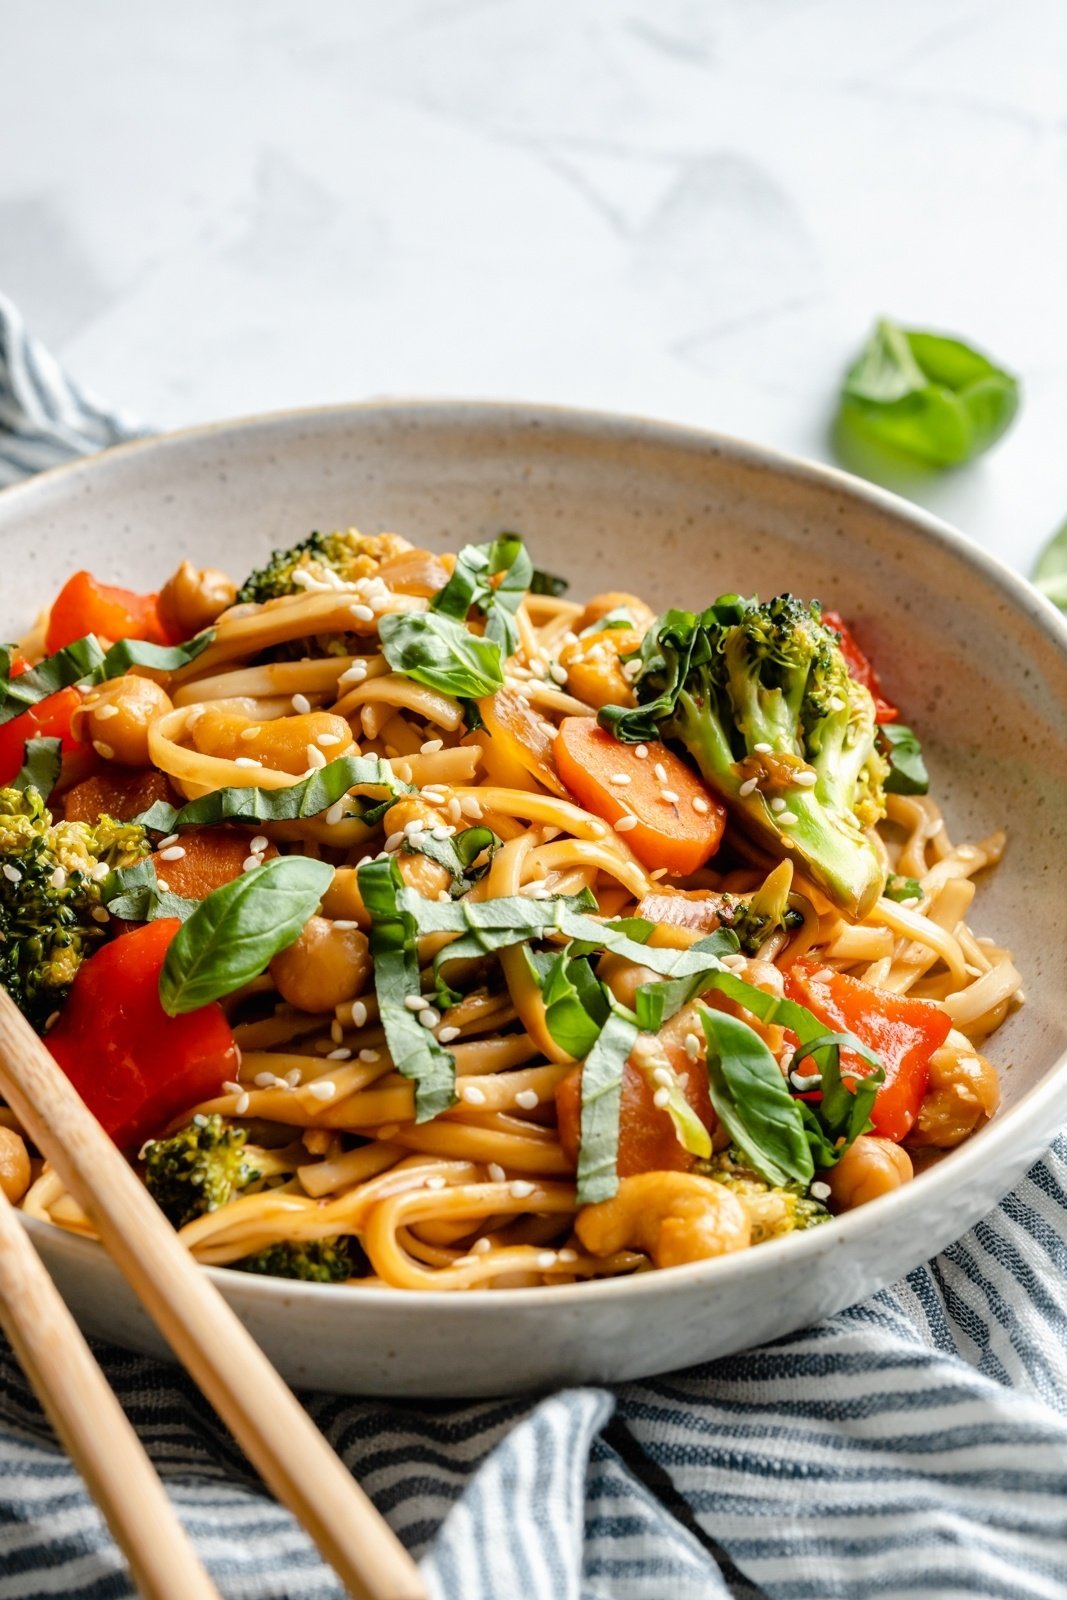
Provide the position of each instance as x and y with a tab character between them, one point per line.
753	1102
41	762
133	893
1050	571
393	945
84	662
308	798
907	770
928	395
547	583
903	889
237	930
576	1004
457	854
470	585
601	1102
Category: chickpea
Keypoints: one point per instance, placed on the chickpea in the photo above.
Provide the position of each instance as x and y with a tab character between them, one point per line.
624	977
192	598
673	1217
426	877
117	716
616	600
343	899
326	966
281	744
14	1165
594	668
869	1168
962	1093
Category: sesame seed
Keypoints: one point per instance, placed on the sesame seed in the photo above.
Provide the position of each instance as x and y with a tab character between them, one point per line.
327	739
625	824
231	1087
747	787
700	805
104	751
660	872
620	779
251	733
102	713
455	810
416	1002
641	752
414	827
335	813
301	703
359	1010
101	914
557	673
315	756
370	1056
362	613
496	1173
777	804
353	674
293	1078
481	1246
442	832
692	1046
546	1260
788	816
763	748
161	883
430	747
250	863
661	772
435	1181
320	1090
806	779
173	852
631	669
58	878
265	1080
100	871
661	1098
566	1256
394	841
446	1035
470	807
433	794
669	796
172	838
242	1104
527	1099
429	1016
662	1076
520	1189
820	1191
342	1053
473	1096
246	761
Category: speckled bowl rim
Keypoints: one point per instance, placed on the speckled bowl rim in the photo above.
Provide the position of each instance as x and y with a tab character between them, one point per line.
1036	1112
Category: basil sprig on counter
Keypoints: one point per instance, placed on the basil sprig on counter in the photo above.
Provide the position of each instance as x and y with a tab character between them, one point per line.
41	761
907	770
86	662
1050	571
237	930
436	647
930	396
308	798
416	1054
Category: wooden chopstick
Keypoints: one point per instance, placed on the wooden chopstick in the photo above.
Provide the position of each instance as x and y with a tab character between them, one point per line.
92	1425
272	1428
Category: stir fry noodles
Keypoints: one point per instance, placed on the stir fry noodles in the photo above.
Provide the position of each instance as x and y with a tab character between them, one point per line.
410	923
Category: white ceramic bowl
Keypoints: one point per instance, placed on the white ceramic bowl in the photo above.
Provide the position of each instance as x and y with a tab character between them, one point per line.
976	658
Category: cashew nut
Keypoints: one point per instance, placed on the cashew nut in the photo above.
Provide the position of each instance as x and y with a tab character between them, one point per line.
673	1217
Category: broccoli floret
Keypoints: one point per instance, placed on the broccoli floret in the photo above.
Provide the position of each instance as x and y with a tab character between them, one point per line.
348	555
314	1261
765	912
772	1212
760	696
50	897
198	1169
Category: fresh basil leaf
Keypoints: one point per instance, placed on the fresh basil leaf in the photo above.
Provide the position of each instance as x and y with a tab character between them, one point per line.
42	759
753	1102
441	653
601	1103
1050	571
576	1005
842	1112
73	664
308	798
85	661
416	1053
471	585
656	1003
542	582
133	893
237	930
901	889
907	771
457	854
928	395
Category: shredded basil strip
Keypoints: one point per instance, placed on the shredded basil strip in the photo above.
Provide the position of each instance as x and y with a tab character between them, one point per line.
441	653
42	759
577	1005
901	889
542	582
85	661
907	770
237	930
457	854
308	798
394	931
133	893
506	559
601	1102
753	1102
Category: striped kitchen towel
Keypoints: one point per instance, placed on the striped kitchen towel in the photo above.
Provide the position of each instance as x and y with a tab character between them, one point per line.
915	1445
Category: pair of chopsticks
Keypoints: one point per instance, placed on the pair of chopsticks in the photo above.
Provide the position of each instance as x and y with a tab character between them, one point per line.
272	1428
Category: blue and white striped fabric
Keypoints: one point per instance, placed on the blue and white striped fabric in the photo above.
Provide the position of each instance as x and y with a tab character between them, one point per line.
913	1446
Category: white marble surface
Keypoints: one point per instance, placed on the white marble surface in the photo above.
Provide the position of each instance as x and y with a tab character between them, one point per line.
687	208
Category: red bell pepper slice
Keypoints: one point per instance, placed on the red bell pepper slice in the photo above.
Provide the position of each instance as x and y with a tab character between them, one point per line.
134	1066
860	668
84	605
48	719
902	1031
